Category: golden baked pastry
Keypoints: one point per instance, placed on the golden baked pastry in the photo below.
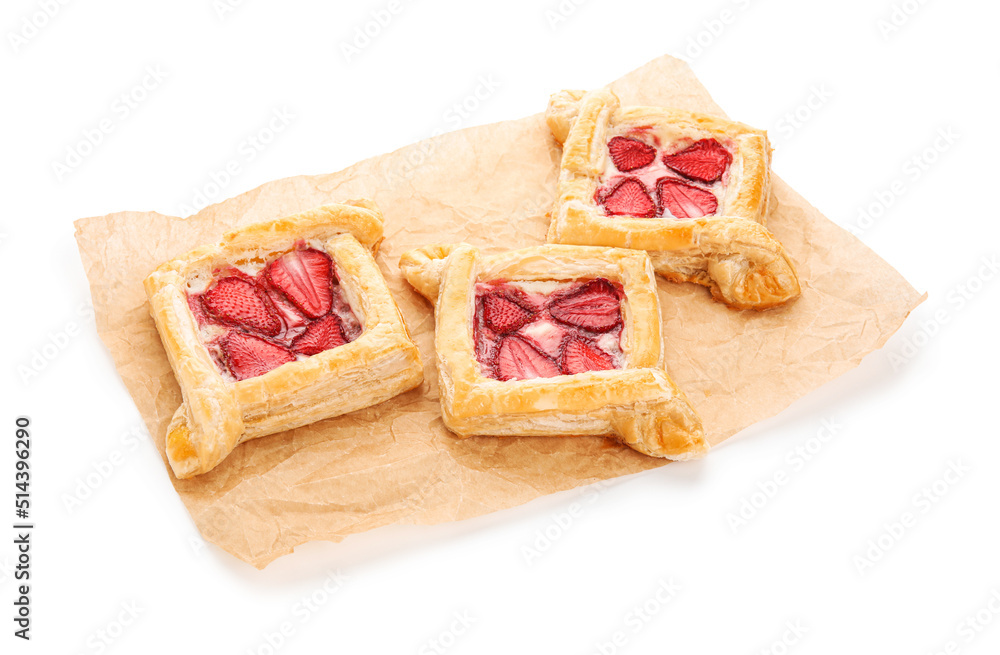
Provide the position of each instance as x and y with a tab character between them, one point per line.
553	340
689	188
280	324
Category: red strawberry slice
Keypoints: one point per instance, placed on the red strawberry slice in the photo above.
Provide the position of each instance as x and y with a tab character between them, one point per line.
594	306
197	310
519	360
629	198
287	312
486	344
305	277
704	160
502	314
319	336
630	154
580	356
248	356
685	200
237	301
349	323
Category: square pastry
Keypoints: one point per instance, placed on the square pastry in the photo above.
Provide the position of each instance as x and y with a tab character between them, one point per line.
280	324
553	340
690	189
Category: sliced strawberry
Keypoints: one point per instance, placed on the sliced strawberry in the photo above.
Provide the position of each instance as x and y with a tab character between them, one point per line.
319	336
237	301
248	356
519	360
630	154
349	323
685	200
287	312
197	310
629	198
580	356
305	277
594	306
704	160
486	345
502	314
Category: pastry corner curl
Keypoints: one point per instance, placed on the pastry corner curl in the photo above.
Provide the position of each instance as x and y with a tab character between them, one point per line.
668	428
423	267
740	262
203	431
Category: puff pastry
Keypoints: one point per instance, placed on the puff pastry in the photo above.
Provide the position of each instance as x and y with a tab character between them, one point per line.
280	324
553	340
689	188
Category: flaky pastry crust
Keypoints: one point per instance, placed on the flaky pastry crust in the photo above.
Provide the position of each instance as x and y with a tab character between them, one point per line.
639	404
731	253
217	413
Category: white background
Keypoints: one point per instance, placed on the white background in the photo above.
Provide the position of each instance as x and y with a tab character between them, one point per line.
869	100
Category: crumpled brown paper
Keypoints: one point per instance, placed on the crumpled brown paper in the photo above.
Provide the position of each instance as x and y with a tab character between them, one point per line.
396	462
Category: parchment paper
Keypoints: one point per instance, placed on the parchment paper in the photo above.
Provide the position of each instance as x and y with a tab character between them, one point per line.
396	462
